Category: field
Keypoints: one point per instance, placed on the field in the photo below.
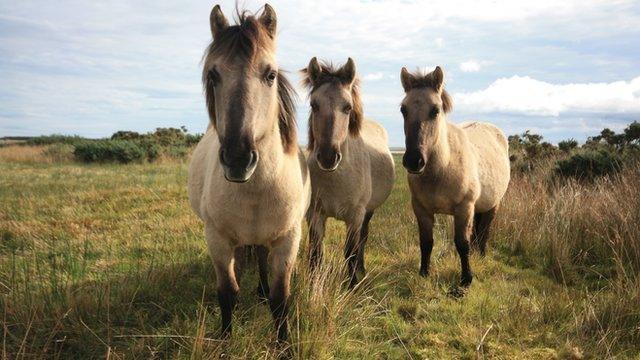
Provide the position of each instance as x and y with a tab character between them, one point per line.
108	261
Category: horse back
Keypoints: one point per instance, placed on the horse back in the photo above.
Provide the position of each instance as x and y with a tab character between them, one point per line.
491	149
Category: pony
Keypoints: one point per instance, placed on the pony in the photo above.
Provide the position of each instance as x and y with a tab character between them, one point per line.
460	170
351	167
248	178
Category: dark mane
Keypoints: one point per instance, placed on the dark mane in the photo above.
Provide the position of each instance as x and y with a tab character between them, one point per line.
331	74
422	79
287	113
246	40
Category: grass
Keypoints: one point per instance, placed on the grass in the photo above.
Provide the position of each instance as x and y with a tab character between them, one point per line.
108	261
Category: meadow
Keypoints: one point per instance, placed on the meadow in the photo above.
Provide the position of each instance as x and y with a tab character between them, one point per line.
108	261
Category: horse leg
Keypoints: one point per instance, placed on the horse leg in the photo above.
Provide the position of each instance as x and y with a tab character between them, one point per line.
263	270
425	228
352	247
364	236
317	222
474	231
463	223
483	226
283	257
222	254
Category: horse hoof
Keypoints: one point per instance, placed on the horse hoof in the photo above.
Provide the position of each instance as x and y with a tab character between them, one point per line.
424	273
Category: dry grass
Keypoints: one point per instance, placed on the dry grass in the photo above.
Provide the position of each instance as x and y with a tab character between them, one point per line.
109	261
39	154
23	154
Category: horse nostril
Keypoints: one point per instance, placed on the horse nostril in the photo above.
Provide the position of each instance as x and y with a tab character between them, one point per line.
421	162
338	158
253	158
222	159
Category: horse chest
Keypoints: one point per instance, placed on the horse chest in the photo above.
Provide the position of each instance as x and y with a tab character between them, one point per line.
256	219
340	194
436	195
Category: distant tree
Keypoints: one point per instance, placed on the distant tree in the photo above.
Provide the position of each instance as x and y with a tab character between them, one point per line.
125	135
567	145
632	133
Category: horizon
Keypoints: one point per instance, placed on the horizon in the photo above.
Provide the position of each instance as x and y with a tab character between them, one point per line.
563	71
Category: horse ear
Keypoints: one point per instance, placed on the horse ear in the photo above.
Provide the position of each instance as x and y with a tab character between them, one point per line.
269	20
347	72
406	79
217	21
314	70
438	77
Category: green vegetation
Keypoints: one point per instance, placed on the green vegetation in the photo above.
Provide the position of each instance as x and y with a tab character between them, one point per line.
109	261
603	154
122	147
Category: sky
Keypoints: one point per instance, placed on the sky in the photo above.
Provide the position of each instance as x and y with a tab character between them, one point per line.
563	69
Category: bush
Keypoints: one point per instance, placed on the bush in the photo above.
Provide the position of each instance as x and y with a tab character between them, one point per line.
55	139
125	135
588	165
567	145
121	151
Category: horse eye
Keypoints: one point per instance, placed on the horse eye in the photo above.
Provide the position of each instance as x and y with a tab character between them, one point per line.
403	110
213	77
271	77
346	109
314	106
434	112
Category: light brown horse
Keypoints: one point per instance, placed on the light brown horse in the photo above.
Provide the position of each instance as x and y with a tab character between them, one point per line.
351	167
457	170
248	179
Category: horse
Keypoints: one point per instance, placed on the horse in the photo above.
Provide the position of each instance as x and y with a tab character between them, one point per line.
460	170
351	167
248	178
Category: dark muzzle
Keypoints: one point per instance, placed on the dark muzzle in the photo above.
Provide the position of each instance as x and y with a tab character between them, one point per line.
238	162
414	161
328	158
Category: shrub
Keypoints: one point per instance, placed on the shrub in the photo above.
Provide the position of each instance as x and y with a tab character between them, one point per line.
567	145
55	139
121	151
588	165
125	135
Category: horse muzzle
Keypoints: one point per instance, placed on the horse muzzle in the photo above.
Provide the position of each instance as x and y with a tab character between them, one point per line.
328	161
239	168
414	162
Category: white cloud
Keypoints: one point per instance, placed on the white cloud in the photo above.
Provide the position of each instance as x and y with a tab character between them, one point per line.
470	66
527	96
93	68
374	76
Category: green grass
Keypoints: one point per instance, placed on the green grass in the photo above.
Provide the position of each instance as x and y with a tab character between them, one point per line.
109	261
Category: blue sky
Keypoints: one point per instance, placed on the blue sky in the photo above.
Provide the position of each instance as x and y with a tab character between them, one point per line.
560	68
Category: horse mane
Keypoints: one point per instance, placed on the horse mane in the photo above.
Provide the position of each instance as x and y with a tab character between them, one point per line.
246	40
331	74
423	79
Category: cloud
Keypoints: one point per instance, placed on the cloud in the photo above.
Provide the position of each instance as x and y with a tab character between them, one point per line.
93	68
374	76
527	96
470	66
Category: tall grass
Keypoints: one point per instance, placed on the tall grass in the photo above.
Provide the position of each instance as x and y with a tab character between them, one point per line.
584	235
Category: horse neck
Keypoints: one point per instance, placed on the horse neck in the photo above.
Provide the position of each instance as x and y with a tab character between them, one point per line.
440	154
